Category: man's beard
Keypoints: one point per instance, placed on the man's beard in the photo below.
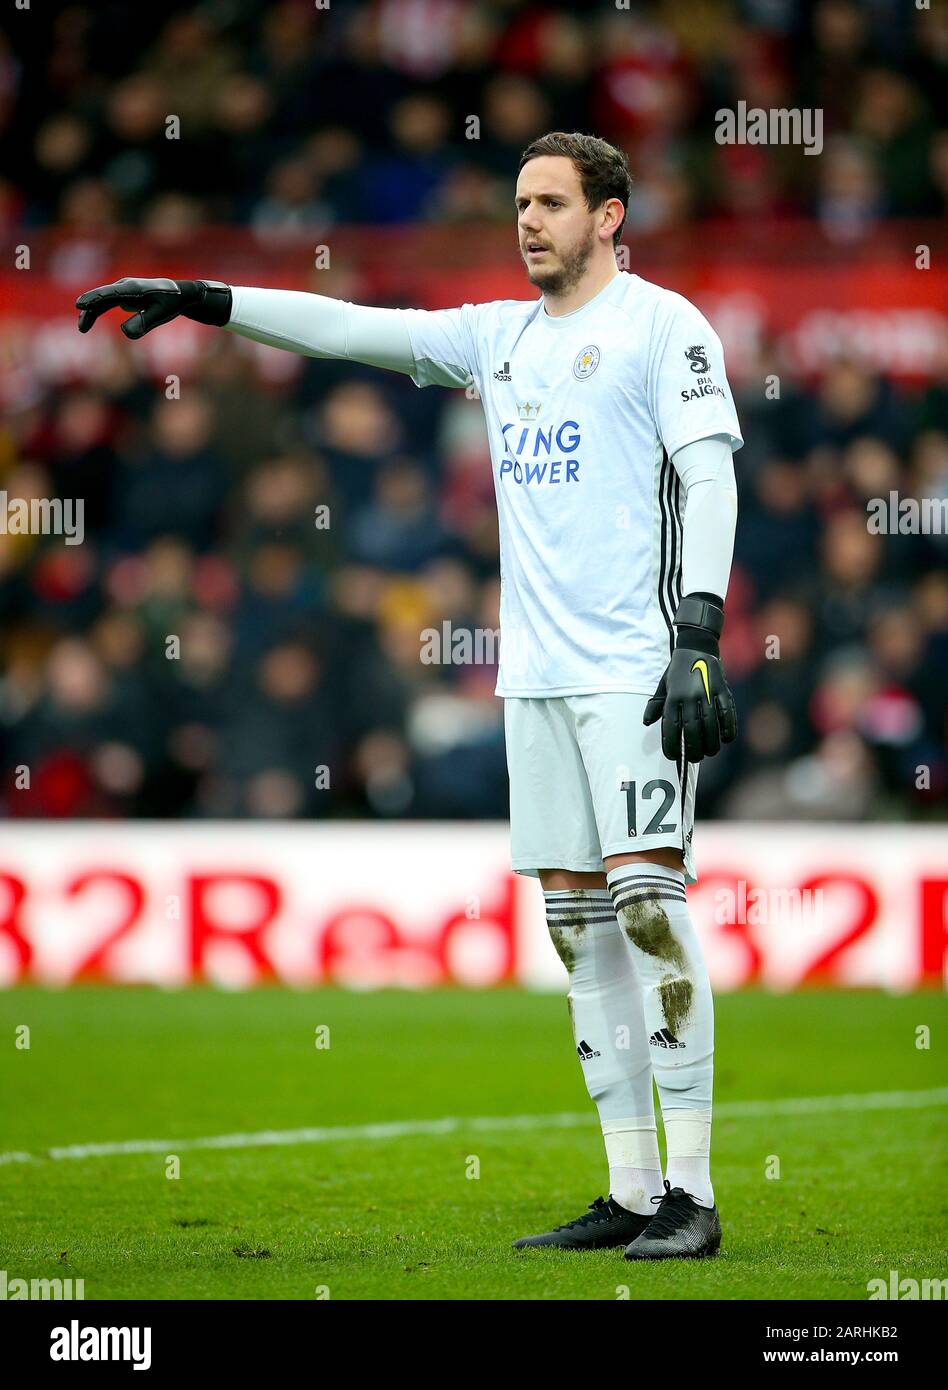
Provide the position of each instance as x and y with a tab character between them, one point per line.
571	270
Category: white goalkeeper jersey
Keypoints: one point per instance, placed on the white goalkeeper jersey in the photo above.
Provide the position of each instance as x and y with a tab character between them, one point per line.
583	413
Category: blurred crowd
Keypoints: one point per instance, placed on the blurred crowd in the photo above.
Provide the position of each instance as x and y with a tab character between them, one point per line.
240	632
386	111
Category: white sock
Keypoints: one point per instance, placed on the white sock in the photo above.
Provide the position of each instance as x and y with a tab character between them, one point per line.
652	910
635	1166
605	1003
688	1144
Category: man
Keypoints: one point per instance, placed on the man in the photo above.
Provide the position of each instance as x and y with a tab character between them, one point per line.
611	431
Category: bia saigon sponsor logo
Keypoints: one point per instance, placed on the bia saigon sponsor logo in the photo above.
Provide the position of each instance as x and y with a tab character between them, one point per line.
704	386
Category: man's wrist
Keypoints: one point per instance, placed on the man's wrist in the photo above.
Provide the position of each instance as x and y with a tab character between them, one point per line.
699	622
209	301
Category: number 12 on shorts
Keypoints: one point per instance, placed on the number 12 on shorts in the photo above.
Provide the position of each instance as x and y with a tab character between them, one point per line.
656	826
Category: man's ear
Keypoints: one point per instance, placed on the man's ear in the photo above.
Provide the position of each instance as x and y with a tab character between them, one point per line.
608	225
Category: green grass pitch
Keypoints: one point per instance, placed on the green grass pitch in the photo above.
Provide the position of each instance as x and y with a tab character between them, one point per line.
861	1191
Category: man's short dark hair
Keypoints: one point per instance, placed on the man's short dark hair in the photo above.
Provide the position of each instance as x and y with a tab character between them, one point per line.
603	170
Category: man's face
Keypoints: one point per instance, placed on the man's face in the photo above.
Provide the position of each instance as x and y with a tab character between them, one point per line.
557	231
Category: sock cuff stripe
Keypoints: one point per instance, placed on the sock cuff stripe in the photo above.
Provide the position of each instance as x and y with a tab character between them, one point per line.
575	910
631	886
589	919
650	895
641	881
646	871
662	890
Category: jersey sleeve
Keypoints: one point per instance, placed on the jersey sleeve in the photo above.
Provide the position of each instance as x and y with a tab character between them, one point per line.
686	385
443	345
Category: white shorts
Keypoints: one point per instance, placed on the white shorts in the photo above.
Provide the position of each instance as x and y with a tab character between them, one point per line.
588	779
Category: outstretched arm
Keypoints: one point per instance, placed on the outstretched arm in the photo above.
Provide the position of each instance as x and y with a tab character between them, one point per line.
433	347
317	326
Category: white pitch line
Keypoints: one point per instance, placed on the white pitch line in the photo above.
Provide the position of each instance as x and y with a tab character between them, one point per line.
451	1124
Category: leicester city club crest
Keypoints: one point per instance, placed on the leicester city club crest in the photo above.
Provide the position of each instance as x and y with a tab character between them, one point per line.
586	363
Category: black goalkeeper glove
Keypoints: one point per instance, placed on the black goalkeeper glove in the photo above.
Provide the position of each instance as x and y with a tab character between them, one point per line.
155	302
693	698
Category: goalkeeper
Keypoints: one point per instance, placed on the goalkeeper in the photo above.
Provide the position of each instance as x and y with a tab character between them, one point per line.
611	428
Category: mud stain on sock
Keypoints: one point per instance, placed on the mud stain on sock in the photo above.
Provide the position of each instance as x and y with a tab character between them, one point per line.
565	932
677	996
646	925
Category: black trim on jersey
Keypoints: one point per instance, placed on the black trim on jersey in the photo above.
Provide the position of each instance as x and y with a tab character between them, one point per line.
679	527
672	545
674	562
663	559
684	766
670	586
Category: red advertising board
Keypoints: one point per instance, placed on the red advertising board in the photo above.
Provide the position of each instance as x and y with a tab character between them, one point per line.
427	904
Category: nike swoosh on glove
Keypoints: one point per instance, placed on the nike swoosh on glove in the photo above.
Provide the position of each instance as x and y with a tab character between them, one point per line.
154	302
693	699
